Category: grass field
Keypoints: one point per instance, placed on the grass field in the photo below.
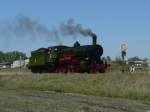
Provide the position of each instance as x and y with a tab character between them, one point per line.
40	101
112	84
22	91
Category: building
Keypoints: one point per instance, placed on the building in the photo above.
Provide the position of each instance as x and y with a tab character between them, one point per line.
148	62
5	65
26	62
20	63
140	64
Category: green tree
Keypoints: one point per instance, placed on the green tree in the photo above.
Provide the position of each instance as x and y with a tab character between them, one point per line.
12	56
136	58
108	58
2	57
118	59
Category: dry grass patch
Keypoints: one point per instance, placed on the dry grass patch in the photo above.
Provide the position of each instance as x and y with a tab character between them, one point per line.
115	84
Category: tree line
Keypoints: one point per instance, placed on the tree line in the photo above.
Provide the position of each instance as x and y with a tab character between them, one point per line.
11	56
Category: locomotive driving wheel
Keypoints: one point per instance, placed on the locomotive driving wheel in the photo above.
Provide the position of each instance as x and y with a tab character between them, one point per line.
60	69
93	68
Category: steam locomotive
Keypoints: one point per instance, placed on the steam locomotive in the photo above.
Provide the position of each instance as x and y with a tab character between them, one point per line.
65	59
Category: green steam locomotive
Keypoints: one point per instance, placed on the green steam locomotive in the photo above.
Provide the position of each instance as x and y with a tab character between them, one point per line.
65	59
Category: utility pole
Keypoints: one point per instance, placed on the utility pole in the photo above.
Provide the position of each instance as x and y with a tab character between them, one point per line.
20	58
123	49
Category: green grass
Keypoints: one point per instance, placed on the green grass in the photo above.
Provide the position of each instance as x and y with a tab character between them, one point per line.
114	84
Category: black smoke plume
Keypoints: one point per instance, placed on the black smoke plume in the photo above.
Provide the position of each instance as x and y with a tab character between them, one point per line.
26	27
71	28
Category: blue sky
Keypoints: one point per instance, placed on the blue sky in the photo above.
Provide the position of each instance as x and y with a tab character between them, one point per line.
114	21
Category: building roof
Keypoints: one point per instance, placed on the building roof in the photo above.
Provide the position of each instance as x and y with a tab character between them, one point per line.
6	63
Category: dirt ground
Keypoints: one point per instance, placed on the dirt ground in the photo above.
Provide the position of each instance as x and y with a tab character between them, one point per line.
37	101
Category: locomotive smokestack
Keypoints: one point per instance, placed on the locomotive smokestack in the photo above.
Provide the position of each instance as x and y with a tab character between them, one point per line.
94	39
